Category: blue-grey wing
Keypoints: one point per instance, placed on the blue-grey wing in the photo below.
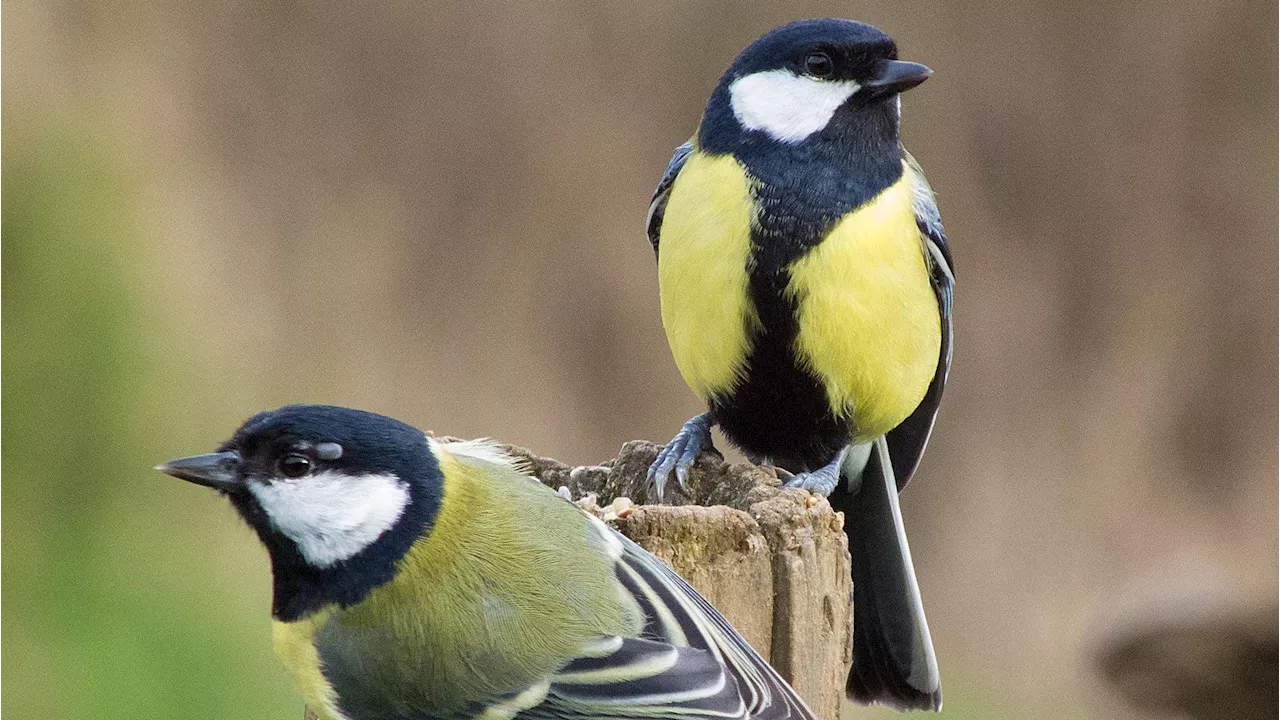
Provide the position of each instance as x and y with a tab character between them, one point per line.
658	206
687	664
907	441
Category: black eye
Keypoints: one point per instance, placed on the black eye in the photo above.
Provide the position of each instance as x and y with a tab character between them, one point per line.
293	466
818	64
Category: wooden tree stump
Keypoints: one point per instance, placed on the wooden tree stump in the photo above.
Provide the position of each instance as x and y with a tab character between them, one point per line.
774	561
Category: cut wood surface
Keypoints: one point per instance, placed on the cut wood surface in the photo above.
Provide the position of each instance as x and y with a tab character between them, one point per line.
773	560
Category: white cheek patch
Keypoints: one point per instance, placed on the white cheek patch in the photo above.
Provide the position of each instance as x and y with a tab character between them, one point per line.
787	106
331	516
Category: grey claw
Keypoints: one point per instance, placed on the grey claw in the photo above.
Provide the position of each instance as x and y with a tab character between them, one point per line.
682	475
659	472
680	454
821	481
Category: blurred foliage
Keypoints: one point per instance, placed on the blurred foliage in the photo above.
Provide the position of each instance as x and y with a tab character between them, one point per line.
103	615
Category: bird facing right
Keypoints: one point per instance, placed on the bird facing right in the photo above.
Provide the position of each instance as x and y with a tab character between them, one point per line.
806	292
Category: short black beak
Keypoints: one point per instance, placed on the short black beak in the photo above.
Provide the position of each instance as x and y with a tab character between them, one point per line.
895	76
216	470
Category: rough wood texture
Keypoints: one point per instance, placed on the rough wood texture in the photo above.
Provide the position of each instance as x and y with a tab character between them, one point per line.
774	561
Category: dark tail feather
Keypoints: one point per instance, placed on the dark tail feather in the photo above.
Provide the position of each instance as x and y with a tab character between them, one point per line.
893	660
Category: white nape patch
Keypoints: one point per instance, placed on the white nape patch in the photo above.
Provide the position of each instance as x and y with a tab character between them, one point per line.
332	516
484	450
787	106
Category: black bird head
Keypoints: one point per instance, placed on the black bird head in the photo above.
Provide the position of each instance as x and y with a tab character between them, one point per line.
810	86
336	495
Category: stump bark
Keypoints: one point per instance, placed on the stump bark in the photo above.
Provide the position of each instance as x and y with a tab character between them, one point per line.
773	560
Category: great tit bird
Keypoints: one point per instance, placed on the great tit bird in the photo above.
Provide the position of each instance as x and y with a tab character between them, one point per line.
806	290
416	579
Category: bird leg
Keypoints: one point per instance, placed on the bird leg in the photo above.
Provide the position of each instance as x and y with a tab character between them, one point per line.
823	480
681	453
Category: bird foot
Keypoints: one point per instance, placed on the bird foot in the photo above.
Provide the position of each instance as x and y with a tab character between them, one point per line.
681	453
821	481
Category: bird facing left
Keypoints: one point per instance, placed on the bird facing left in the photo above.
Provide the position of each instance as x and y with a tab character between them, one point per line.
417	579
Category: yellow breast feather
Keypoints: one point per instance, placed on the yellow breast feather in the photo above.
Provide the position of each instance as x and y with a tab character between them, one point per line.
295	647
869	324
702	272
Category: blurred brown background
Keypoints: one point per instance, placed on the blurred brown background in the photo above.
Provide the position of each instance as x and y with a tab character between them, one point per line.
436	211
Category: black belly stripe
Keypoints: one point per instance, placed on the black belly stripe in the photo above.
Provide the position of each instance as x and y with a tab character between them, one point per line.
780	410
